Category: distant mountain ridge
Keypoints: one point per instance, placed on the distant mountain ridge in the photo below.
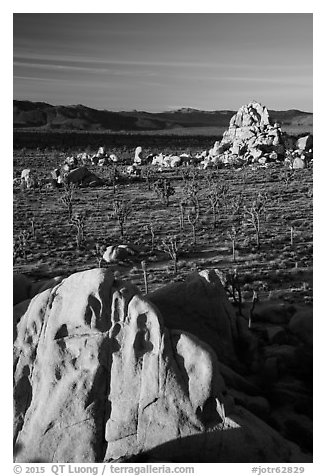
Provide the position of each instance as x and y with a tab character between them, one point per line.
43	116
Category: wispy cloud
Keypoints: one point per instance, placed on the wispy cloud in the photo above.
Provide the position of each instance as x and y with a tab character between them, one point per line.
87	69
61	59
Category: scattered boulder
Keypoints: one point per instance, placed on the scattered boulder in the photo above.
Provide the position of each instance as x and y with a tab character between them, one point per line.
82	176
298	163
113	158
133	170
103	161
138	156
116	253
27	179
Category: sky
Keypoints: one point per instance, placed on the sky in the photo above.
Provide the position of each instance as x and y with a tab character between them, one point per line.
158	62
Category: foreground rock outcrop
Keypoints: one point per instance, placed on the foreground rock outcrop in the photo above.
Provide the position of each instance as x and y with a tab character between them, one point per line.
98	377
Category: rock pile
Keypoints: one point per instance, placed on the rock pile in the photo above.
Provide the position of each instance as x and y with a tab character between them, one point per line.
100	378
252	136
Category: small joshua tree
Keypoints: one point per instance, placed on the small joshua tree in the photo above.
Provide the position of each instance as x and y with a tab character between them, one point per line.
236	217
150	227
121	211
233	282
67	197
193	219
182	206
148	173
164	190
216	195
33	228
287	177
114	176
189	175
191	201
213	198
78	221
255	213
21	244
233	234
170	244
290	156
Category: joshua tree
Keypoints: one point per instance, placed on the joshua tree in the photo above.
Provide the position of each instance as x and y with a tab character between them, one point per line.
235	292
232	234
33	230
191	202
189	174
97	201
255	213
151	229
67	197
193	218
78	221
217	196
20	244
148	174
170	244
114	176
164	190
236	217
121	211
287	177
182	206
213	198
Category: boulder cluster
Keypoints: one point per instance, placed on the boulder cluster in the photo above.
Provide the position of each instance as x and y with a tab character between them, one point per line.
118	376
253	137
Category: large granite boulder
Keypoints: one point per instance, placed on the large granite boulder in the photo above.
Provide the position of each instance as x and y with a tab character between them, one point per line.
304	143
97	377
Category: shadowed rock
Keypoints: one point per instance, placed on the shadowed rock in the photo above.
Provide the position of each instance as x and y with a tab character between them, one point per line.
199	305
